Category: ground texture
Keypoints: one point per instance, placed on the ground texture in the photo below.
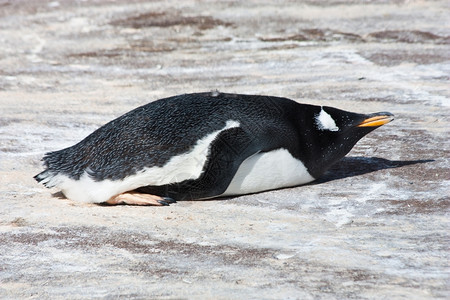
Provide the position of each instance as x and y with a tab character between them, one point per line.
375	227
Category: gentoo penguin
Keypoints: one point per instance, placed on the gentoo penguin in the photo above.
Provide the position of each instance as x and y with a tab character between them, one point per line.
205	145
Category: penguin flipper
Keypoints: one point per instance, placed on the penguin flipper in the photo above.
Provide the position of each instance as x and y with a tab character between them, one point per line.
230	148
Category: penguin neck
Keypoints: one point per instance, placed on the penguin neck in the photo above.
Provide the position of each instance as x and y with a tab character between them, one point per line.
327	155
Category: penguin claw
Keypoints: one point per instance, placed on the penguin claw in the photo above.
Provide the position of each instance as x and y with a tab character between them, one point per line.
169	200
164	203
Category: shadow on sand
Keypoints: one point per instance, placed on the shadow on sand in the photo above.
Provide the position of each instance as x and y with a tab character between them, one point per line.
359	165
347	167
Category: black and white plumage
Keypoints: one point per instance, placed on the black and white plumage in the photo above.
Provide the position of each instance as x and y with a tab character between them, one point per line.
205	145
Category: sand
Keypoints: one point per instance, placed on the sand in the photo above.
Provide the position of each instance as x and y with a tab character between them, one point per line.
376	226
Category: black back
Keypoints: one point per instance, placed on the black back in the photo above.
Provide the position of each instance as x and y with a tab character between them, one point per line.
151	134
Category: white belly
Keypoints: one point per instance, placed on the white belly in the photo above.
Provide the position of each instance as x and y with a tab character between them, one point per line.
267	171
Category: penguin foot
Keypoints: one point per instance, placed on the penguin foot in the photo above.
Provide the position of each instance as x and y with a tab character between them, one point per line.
134	198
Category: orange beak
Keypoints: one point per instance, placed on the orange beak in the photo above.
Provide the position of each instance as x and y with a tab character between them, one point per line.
376	121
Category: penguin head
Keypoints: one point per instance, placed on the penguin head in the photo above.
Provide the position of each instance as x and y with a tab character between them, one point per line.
337	131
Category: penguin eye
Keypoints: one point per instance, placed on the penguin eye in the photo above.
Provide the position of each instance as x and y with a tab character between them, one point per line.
325	122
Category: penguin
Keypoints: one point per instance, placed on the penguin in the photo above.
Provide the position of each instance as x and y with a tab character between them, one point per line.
205	145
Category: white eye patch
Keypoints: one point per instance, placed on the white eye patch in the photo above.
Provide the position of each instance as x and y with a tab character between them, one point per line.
325	122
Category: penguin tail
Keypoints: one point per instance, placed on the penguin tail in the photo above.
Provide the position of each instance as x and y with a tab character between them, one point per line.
47	178
50	177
